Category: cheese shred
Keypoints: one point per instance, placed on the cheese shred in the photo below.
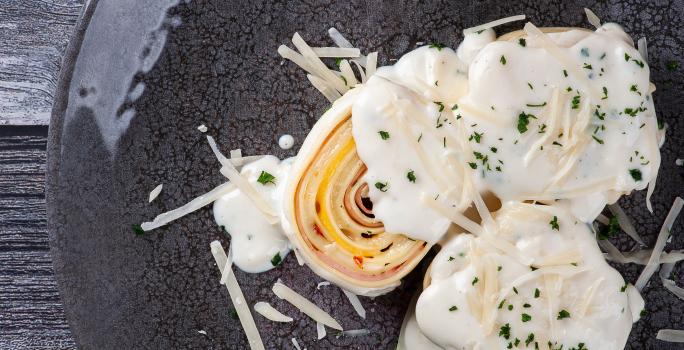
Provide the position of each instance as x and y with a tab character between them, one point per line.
654	260
242	308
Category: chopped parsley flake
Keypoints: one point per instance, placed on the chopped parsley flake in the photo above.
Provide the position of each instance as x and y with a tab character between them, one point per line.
493	149
381	186
522	42
524	121
384	134
265	178
536	293
624	288
455	107
501	304
530	338
440	104
530	85
563	314
515	290
451	258
437	46
554	223
612	229
503	60
411	176
585	52
627	57
587	66
475	136
276	259
597	139
453	308
636	174
605	93
475	280
536	105
138	229
672	66
472	165
575	102
565	73
505	331
525	317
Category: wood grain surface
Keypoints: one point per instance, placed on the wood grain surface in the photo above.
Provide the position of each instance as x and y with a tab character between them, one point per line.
31	314
33	36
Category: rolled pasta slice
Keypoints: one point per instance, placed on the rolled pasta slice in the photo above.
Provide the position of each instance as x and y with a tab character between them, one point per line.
329	219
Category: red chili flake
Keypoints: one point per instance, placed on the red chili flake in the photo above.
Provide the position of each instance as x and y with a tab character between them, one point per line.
359	261
318	230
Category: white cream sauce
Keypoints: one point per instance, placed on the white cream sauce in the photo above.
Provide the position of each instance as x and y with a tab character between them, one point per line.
286	141
470	278
418	155
508	119
255	242
615	142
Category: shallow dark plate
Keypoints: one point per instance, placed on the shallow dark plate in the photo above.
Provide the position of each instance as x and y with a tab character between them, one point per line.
125	120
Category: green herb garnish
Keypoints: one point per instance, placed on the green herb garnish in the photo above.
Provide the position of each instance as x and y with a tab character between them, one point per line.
411	176
554	223
265	178
381	186
384	134
276	259
138	229
563	314
437	46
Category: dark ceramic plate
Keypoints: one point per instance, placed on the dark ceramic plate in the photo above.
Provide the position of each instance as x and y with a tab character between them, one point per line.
140	76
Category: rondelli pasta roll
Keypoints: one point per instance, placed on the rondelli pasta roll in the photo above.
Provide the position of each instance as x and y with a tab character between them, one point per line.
329	218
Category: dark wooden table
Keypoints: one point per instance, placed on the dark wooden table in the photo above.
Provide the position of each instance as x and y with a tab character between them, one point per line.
34	34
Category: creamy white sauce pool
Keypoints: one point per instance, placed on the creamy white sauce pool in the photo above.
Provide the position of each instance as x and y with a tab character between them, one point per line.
512	84
507	115
254	241
407	136
471	278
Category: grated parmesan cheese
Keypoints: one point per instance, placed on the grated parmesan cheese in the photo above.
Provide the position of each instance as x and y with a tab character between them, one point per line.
155	192
242	309
493	24
592	18
654	260
671	335
271	313
355	302
305	306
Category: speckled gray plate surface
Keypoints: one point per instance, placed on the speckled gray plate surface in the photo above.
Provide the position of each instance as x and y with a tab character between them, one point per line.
138	80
